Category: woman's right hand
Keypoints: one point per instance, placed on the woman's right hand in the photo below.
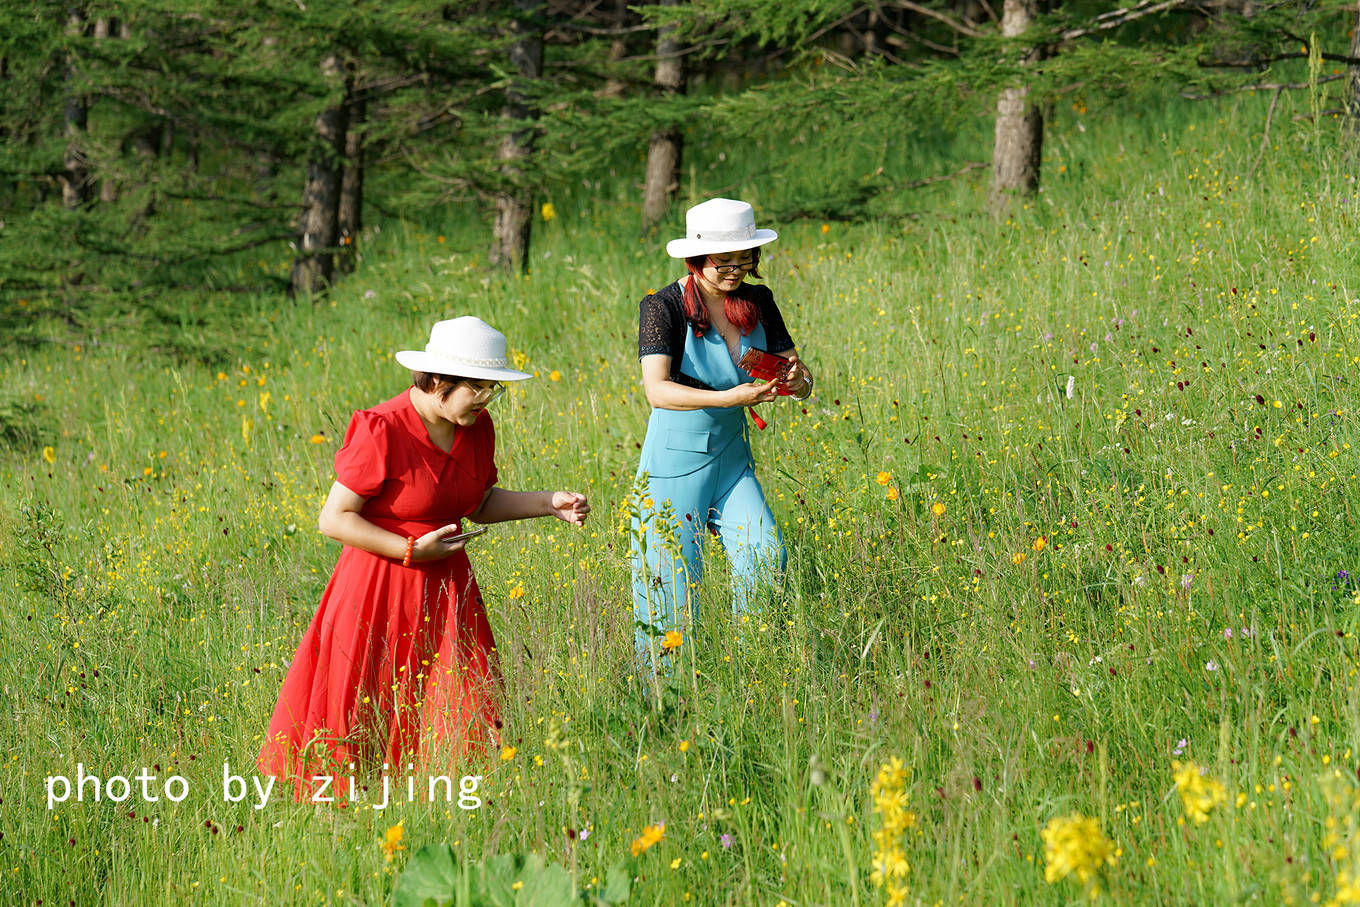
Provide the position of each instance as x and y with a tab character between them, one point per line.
753	393
432	547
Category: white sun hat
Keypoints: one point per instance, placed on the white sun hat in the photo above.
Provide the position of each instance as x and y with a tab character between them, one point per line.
719	225
465	347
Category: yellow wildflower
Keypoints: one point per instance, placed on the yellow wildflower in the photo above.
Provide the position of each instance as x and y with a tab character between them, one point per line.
391	842
883	478
548	211
650	835
672	641
889	792
1075	845
1199	794
508	753
1039	544
49	454
937	508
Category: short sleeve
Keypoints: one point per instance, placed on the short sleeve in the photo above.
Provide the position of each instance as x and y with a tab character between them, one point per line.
657	327
361	462
776	334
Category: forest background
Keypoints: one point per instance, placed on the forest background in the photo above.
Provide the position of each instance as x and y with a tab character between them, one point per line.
1070	517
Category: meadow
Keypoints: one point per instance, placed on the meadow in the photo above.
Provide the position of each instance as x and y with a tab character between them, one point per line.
1070	524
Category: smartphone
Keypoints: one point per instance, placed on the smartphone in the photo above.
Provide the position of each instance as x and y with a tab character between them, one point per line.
464	535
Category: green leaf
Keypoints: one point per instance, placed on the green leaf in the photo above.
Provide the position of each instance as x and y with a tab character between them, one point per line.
618	885
544	886
429	878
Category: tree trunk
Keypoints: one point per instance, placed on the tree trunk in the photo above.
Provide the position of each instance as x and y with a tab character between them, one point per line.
872	36
314	264
1353	81
349	217
514	202
1019	124
618	48
265	171
103	30
663	154
75	175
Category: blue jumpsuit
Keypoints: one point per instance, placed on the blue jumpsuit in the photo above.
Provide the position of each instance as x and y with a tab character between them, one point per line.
699	461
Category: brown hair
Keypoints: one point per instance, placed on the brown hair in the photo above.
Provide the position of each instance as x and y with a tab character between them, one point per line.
435	383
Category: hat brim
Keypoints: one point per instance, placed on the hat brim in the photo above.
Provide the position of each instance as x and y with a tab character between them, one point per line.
684	247
421	361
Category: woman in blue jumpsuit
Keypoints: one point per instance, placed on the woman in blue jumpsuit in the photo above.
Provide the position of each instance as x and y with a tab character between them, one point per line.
697	456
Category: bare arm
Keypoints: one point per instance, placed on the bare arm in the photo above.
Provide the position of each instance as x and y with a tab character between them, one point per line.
663	393
342	519
499	505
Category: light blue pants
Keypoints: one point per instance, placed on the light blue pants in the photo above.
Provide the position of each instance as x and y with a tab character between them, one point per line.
663	591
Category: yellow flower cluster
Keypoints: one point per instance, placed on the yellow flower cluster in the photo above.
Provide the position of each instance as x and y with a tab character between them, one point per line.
1199	794
1341	842
391	842
1075	845
889	792
650	835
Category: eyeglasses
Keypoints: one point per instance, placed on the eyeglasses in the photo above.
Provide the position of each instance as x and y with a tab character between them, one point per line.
486	394
743	267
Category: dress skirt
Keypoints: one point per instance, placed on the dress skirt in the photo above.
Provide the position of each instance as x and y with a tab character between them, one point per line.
398	666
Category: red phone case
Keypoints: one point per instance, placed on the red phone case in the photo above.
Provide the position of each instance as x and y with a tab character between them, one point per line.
765	366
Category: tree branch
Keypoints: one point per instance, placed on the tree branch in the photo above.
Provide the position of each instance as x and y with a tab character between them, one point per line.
1256	62
1118	17
959	26
604	32
917	184
837	24
1264	86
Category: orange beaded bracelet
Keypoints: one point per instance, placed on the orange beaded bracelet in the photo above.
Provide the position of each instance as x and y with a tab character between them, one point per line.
410	545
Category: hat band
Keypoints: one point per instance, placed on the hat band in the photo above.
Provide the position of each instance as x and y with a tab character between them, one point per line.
460	360
747	232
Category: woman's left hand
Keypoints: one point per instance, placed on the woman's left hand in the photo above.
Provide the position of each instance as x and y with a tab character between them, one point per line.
570	507
799	377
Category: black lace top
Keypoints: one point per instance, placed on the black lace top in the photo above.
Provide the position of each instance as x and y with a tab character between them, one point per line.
662	325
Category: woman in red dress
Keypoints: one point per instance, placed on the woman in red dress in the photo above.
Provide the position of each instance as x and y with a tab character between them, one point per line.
398	666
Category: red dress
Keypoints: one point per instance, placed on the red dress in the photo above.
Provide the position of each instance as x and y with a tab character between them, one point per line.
398	665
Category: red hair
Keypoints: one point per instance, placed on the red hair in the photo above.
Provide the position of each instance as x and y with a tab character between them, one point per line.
739	308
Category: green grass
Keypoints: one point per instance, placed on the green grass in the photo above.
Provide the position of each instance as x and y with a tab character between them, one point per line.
170	546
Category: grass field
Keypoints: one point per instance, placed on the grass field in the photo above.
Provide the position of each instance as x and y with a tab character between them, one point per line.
1074	505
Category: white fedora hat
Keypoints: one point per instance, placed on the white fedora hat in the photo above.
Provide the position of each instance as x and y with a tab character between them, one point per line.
465	347
719	225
